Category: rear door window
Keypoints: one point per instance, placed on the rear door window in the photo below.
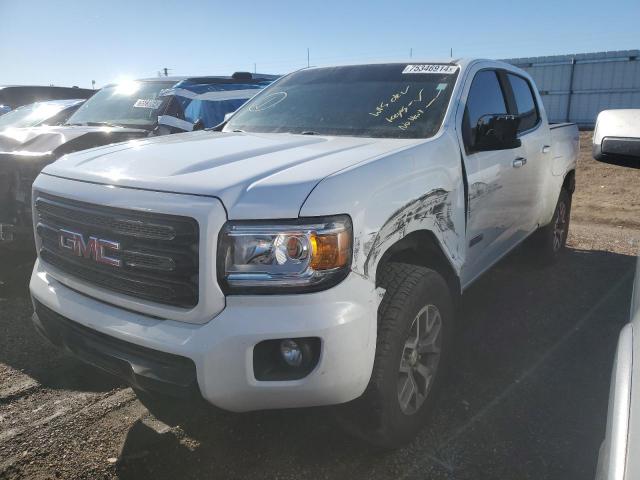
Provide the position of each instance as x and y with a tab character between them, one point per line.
525	102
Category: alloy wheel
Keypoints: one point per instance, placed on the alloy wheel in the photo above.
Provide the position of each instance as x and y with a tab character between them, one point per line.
420	359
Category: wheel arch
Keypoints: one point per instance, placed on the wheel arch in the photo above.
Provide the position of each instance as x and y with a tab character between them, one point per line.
569	182
422	248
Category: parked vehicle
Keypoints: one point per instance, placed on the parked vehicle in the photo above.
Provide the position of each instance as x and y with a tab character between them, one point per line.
616	460
616	140
14	96
120	112
310	251
50	112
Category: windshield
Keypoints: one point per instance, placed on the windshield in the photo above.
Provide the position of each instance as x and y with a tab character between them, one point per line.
31	115
387	101
130	104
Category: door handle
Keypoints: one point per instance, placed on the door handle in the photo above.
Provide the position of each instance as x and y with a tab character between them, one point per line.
519	162
546	149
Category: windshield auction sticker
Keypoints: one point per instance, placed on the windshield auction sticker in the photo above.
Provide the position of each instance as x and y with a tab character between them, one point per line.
147	103
424	68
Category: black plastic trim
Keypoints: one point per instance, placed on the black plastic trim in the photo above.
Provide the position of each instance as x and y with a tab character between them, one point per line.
141	367
268	365
629	156
624	146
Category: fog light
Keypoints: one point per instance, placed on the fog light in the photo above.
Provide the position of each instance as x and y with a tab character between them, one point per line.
291	352
279	359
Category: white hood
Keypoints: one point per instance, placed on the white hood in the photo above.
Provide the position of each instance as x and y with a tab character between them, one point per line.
254	175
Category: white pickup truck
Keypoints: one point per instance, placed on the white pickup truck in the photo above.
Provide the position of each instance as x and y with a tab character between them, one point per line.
310	250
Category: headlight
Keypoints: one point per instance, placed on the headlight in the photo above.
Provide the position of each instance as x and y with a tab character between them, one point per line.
299	256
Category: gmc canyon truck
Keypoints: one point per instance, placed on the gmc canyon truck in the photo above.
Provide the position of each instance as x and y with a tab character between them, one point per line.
311	249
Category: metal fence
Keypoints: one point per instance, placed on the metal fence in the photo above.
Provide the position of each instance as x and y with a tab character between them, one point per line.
575	88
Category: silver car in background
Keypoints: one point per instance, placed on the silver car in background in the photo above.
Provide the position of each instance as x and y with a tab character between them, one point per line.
616	140
49	112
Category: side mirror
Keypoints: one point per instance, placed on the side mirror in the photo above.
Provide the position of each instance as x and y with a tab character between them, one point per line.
616	138
228	115
496	132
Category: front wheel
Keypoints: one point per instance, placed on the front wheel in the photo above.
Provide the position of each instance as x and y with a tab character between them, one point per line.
415	323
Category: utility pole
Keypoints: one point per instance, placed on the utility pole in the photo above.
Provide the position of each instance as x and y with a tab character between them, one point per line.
307	56
166	71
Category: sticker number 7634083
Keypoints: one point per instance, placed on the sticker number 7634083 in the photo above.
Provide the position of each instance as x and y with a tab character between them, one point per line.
430	68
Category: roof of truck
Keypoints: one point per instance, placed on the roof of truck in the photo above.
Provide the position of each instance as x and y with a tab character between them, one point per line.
461	61
47	87
17	95
212	78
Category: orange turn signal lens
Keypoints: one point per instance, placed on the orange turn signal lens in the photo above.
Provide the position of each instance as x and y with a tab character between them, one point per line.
330	250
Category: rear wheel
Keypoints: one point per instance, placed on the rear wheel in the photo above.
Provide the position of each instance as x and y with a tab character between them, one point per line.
415	322
551	239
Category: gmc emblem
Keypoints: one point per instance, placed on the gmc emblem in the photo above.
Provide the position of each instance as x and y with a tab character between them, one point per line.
95	248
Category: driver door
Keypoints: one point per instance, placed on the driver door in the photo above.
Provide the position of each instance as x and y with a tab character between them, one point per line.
492	197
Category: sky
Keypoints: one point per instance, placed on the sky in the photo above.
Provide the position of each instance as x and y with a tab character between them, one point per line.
74	42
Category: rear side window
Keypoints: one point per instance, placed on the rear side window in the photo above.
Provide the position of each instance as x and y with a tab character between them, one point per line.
485	98
525	103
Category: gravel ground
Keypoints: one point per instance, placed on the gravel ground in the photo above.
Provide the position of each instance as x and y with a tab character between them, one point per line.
526	397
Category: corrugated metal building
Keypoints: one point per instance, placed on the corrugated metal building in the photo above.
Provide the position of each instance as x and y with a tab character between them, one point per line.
575	88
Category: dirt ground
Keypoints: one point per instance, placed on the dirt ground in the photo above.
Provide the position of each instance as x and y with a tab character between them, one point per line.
526	397
606	194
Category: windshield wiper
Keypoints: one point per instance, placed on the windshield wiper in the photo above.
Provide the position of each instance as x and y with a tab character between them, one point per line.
103	124
94	124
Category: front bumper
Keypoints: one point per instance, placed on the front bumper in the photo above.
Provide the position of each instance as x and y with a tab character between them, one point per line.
141	367
343	317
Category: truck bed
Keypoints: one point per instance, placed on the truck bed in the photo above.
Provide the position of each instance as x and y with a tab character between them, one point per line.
565	141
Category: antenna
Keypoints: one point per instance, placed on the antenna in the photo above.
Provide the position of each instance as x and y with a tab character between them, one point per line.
451	52
307	56
411	52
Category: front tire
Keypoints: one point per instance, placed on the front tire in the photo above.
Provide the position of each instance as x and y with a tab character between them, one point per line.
415	326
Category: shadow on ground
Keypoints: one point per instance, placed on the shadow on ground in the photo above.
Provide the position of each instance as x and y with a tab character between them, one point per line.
526	396
22	349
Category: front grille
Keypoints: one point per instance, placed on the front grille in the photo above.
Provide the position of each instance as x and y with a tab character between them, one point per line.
158	253
116	224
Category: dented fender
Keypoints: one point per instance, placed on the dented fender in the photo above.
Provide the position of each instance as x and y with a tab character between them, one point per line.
417	188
